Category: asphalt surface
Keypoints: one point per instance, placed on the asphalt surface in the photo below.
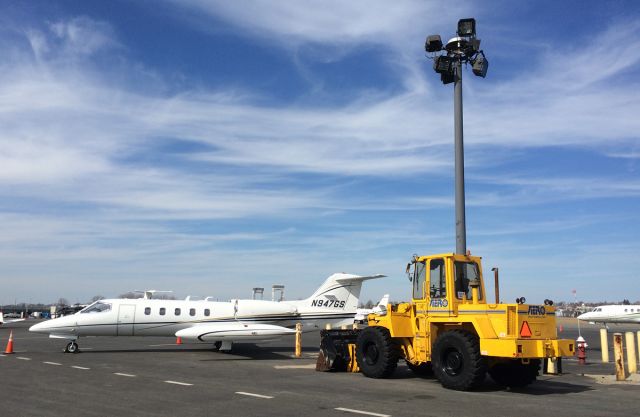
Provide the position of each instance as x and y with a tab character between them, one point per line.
134	376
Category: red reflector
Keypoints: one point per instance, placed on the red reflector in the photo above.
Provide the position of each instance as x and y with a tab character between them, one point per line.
525	330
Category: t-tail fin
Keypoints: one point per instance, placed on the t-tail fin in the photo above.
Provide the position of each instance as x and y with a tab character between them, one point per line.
340	292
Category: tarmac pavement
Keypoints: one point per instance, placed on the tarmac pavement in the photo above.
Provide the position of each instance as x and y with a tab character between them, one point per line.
136	376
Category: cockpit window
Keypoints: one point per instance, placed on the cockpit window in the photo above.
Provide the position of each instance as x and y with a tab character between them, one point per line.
97	307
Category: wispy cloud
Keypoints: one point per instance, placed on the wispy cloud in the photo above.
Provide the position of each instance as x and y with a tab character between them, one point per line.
329	22
76	38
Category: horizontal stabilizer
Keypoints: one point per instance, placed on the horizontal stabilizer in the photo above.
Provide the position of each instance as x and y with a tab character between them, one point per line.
233	331
351	278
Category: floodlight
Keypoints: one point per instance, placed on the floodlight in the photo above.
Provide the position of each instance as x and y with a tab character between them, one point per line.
447	77
480	66
433	43
467	27
442	64
473	47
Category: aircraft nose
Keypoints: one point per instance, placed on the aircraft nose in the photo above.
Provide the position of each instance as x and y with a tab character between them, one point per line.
40	327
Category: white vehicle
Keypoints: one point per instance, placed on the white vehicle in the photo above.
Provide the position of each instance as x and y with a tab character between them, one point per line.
381	308
220	323
7	320
616	314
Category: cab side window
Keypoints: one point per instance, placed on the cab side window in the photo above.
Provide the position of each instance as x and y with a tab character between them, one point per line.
464	273
419	278
437	279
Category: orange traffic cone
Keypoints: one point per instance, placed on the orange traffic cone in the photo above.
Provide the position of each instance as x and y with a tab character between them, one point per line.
178	340
9	348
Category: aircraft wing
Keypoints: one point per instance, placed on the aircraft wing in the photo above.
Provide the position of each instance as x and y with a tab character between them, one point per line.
232	331
7	321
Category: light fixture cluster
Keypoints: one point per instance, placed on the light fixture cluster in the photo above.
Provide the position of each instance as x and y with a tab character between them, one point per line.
464	48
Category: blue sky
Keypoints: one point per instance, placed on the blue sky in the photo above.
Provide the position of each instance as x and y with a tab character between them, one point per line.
209	147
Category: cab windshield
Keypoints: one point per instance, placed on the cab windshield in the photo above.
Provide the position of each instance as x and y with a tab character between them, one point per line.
97	307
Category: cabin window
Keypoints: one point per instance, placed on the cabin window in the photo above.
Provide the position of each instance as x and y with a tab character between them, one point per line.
207	312
97	307
177	311
419	278
192	312
437	279
147	311
465	272
162	311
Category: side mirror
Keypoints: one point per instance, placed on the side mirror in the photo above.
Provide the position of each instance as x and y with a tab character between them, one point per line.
408	272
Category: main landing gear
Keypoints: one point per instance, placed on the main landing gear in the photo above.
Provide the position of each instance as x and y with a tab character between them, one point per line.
222	346
72	347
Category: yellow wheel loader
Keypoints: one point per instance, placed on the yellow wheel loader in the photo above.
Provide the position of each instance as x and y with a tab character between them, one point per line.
450	330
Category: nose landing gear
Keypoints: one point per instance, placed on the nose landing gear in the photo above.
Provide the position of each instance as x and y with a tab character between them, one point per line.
72	347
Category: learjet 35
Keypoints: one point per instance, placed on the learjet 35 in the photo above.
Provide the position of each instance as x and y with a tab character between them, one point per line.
219	323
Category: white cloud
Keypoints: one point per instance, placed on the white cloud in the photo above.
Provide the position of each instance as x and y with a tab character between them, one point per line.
555	189
70	39
330	22
66	129
571	95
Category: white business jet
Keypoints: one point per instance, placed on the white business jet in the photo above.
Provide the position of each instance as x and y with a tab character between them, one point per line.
220	323
380	308
616	314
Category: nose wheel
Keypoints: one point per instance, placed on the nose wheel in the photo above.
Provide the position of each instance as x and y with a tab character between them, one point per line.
72	347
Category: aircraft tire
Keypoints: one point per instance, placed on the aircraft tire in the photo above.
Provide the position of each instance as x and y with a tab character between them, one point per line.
72	347
457	362
376	352
217	346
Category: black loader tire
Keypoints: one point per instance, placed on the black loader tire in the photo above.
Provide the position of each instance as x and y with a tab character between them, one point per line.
514	373
376	352
457	362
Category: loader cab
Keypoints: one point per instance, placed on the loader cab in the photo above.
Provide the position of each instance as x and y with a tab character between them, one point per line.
431	284
441	282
